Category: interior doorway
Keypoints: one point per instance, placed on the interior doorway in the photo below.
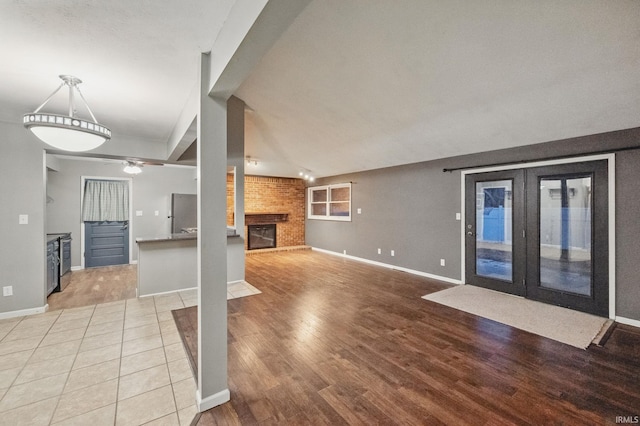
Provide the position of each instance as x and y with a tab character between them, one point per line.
541	233
106	217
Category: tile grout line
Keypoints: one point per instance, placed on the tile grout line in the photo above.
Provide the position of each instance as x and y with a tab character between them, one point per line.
72	364
124	320
173	393
27	361
157	322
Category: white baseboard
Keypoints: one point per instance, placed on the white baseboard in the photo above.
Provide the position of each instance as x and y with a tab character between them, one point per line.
24	312
386	265
628	321
212	401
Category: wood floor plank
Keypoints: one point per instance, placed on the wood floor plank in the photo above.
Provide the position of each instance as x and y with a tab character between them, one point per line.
96	285
334	341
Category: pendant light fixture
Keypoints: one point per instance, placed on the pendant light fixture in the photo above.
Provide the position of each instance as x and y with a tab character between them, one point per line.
67	132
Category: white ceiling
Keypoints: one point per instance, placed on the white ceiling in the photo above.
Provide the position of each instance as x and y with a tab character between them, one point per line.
355	85
352	84
138	59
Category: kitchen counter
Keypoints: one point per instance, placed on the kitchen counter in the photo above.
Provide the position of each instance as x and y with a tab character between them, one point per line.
170	237
168	263
231	233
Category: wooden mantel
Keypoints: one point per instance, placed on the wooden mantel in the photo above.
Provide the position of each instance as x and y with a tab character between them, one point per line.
257	218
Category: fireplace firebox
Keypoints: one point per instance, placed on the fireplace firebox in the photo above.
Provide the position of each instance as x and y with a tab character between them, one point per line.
262	236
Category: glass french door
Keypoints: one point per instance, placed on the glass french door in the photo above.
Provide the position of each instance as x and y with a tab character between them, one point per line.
541	233
567	236
494	218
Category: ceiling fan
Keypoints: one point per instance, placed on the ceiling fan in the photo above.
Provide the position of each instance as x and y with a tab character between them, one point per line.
134	166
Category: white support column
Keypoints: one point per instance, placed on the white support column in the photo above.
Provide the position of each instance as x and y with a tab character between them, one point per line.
212	245
235	158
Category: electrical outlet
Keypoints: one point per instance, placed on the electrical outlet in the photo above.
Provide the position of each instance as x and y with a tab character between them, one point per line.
457	216
23	219
138	212
393	252
379	251
7	291
157	213
344	252
441	262
359	210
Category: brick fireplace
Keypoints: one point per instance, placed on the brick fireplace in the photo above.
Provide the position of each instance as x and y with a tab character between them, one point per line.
273	200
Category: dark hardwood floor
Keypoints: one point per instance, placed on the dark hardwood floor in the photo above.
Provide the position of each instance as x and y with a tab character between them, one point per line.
334	341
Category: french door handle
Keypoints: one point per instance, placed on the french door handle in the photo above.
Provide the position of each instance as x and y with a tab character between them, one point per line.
470	233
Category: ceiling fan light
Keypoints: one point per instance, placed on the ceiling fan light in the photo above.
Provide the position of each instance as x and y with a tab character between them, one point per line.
132	169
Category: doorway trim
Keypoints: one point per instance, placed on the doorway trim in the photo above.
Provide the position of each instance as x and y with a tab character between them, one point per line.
129	181
611	166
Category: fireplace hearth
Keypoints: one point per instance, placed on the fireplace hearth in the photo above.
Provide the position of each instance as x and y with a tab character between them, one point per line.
262	236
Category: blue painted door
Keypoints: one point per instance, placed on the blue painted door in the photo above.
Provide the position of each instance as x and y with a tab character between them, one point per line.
106	243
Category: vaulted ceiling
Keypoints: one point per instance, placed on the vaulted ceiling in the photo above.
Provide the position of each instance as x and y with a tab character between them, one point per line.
350	85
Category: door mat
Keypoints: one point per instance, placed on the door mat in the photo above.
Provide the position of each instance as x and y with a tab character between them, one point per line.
563	325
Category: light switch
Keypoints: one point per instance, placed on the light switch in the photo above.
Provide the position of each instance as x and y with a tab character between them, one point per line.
138	212
157	213
457	216
23	219
359	211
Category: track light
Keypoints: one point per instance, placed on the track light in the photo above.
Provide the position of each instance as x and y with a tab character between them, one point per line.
304	174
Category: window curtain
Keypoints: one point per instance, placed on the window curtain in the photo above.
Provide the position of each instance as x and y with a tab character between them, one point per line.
105	200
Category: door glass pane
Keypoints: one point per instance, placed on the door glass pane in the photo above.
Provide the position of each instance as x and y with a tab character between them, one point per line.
565	234
494	224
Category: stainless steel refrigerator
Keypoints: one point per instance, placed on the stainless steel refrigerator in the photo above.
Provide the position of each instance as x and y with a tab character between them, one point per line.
184	212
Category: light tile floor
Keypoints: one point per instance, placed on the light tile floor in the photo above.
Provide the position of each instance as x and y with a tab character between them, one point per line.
118	363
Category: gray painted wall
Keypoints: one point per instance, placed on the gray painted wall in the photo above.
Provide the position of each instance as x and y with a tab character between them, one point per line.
152	191
411	209
23	254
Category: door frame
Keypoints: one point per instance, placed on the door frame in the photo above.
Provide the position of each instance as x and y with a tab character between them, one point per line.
611	166
129	181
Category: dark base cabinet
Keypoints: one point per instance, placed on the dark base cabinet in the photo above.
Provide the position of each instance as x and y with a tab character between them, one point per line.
53	264
58	261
